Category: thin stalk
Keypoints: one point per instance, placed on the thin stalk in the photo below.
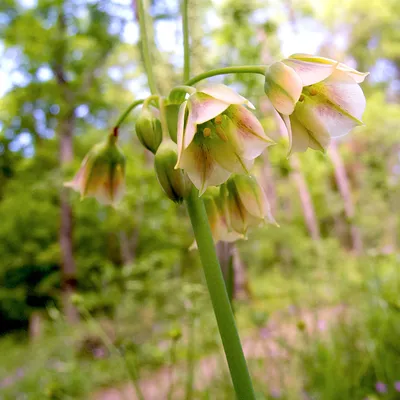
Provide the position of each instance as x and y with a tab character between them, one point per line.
219	298
163	118
150	99
186	49
132	372
123	116
145	48
190	359
243	69
172	365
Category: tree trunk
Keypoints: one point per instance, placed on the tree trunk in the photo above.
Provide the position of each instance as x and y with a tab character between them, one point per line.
305	197
68	267
35	325
343	185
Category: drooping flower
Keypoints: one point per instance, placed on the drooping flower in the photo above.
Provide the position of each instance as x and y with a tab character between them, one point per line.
217	135
317	98
216	217
174	182
245	203
102	173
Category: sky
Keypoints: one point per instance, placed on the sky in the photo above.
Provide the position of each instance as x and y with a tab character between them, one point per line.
307	39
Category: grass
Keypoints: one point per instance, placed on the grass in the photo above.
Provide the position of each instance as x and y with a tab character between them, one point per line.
346	360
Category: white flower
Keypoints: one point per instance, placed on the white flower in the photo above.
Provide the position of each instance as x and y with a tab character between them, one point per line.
217	136
317	98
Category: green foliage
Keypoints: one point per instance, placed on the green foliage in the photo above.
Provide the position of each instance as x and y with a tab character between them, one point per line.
137	280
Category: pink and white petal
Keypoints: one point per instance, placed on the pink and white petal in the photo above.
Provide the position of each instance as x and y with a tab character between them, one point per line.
201	167
353	73
226	94
217	177
323	119
78	182
251	195
283	87
118	184
226	156
286	120
313	59
245	132
237	213
204	107
342	90
310	72
302	138
180	131
190	130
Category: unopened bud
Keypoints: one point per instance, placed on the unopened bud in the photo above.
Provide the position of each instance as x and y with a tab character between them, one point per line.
174	182
171	112
102	173
148	129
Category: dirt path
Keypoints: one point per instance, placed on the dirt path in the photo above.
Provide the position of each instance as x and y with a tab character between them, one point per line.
267	344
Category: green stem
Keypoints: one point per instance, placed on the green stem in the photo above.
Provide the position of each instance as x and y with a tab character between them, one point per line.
150	99
132	372
163	118
172	365
122	118
243	69
186	49
190	358
219	298
145	48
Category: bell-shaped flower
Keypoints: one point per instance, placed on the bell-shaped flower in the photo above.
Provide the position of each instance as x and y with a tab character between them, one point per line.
214	205
102	173
245	203
217	135
317	98
217	217
174	182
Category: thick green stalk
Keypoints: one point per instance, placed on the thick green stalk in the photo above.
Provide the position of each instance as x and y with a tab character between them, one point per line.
186	49
219	297
145	47
243	69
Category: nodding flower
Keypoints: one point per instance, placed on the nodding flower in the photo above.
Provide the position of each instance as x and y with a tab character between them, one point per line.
317	98
102	173
217	135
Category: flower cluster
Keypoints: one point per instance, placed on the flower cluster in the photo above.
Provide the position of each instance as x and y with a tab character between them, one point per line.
209	137
237	205
317	98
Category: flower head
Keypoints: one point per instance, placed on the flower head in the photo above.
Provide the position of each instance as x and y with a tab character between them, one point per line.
317	98
102	173
245	203
217	135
